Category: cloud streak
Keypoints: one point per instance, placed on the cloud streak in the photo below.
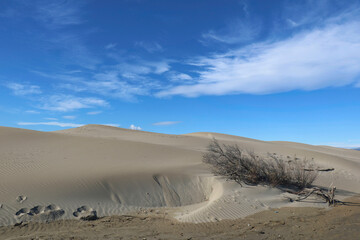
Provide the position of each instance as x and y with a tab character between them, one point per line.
55	14
65	103
237	31
150	47
23	89
58	124
94	113
125	80
69	117
319	58
166	123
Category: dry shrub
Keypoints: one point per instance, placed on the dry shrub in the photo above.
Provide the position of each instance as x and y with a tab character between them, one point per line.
245	167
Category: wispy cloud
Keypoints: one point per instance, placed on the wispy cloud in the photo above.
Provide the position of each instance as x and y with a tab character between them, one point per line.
166	123
56	19
58	124
236	31
180	77
150	47
32	112
141	67
65	103
74	50
69	117
125	80
94	113
110	46
70	76
298	14
23	89
55	14
133	127
245	7
51	119
318	58
111	84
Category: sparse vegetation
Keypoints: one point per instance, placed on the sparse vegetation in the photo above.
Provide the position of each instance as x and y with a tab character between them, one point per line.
246	167
328	196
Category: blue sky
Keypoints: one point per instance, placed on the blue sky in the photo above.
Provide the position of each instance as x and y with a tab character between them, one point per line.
271	70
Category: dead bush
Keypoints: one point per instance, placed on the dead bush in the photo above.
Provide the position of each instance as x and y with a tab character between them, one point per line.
246	167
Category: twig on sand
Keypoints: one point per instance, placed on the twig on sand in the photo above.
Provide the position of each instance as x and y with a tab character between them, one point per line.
329	196
319	169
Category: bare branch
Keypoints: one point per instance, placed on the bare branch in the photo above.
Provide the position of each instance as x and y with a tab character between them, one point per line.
233	163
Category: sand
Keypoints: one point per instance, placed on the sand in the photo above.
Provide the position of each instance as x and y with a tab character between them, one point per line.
340	222
63	175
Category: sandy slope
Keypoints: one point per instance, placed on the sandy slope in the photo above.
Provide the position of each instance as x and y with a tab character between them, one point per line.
116	171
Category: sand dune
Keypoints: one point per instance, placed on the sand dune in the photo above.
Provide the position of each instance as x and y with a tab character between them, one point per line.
70	173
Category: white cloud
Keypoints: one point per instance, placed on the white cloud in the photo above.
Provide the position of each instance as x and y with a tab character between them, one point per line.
292	23
151	47
69	117
236	31
124	80
133	127
94	112
54	14
110	84
110	46
23	89
66	77
327	57
180	77
64	103
245	8
32	111
58	124
296	13
51	119
61	124
140	68
158	67
166	123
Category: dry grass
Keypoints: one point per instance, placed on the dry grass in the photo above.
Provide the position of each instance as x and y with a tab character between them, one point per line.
245	167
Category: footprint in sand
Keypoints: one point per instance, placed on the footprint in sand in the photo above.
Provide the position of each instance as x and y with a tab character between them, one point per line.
36	210
47	213
21	198
85	213
22	212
